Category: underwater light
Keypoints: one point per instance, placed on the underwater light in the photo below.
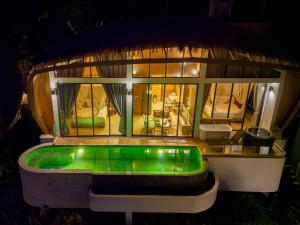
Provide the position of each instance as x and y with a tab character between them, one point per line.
80	151
171	151
186	151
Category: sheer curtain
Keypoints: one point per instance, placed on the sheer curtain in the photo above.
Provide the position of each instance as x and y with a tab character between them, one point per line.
206	93
115	92
222	93
240	92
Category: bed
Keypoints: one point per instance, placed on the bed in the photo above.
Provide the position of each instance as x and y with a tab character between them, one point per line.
85	118
221	110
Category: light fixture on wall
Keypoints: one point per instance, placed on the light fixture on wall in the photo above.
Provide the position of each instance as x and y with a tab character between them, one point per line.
271	88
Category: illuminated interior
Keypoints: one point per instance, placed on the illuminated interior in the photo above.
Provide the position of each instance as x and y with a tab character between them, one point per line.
152	98
244	104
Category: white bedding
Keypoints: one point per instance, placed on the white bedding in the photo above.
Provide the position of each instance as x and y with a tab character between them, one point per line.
221	110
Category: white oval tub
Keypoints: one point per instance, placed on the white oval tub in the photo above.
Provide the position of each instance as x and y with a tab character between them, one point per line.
214	131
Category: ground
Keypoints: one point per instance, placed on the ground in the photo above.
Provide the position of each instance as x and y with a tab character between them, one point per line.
281	208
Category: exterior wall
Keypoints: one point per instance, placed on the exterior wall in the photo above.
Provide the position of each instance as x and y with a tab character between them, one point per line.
247	174
290	95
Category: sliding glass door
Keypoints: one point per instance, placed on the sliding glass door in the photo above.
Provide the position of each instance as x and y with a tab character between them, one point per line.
87	110
163	109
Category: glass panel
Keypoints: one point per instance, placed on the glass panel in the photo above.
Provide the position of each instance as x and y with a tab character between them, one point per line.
140	109
158	69
100	103
68	122
86	72
207	111
222	99
84	112
187	109
250	108
172	95
191	69
156	96
141	70
174	69
238	105
114	120
93	69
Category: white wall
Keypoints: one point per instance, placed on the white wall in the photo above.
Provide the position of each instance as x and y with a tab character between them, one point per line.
269	105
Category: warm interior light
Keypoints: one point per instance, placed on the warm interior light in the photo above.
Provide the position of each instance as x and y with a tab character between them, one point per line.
194	71
134	70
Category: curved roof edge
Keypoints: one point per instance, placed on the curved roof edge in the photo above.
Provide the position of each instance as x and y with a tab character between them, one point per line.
159	32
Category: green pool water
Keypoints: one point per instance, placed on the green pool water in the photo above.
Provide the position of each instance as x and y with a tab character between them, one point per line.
154	160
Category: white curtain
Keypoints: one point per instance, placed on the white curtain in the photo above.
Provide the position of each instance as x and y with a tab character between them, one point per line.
223	93
99	97
240	92
259	89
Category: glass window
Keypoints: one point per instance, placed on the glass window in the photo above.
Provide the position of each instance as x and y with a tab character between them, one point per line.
174	69
191	69
171	109
91	112
158	69
187	109
238	104
140	109
163	109
84	111
141	70
208	97
157	109
100	107
221	100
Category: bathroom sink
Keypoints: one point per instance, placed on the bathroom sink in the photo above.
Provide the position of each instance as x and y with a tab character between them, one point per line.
257	136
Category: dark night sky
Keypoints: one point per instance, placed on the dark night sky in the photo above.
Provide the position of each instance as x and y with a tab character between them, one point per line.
29	26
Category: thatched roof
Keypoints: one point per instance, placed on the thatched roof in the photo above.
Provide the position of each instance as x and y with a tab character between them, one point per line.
159	32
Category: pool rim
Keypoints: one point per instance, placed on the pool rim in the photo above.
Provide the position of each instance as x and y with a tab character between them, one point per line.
22	163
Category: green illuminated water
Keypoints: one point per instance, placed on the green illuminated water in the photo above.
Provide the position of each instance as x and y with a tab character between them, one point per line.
142	160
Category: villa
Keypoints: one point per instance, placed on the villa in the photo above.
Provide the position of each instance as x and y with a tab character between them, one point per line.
177	87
